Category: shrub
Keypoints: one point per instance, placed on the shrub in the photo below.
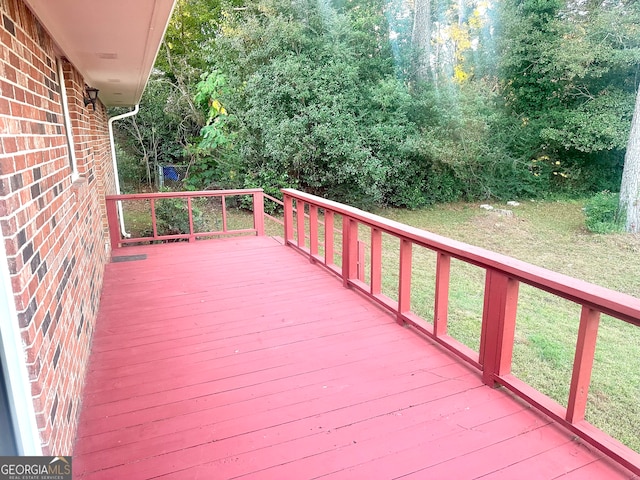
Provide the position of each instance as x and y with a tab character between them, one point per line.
603	214
172	216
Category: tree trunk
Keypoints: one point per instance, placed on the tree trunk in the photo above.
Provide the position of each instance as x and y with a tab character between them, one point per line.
630	187
421	39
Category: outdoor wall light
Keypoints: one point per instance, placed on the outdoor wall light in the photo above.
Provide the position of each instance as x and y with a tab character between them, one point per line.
91	97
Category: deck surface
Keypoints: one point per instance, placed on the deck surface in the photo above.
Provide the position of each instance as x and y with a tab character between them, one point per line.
238	358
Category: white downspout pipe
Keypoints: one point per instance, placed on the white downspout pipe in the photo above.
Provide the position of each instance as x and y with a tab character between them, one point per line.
115	163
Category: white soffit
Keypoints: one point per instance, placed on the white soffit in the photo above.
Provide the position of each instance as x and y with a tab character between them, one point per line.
113	43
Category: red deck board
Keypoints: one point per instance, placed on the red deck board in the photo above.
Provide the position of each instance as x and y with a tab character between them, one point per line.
433	419
552	462
240	358
135	374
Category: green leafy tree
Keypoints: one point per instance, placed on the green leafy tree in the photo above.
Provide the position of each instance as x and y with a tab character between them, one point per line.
150	137
307	86
168	127
568	77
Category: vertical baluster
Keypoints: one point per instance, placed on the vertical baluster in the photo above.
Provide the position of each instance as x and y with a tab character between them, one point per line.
313	230
288	219
362	247
154	222
224	213
328	237
192	237
404	280
441	306
349	249
376	261
300	222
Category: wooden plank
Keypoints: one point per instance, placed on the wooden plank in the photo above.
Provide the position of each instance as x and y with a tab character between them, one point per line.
292	420
114	227
192	237
349	250
490	458
403	453
404	279
154	220
441	305
223	199
288	219
583	364
258	213
551	463
313	230
300	223
201	193
362	248
328	237
602	468
376	262
498	325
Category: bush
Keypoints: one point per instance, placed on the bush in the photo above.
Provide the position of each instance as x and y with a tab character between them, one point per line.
172	217
603	214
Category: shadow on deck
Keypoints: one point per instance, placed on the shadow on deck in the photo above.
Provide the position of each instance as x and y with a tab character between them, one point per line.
239	358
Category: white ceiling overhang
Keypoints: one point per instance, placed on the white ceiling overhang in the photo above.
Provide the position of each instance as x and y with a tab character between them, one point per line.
113	43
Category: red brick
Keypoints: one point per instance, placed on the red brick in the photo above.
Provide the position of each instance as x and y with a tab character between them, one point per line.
31	101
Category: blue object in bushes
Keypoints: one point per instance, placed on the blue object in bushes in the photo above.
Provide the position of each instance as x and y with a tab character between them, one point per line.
170	173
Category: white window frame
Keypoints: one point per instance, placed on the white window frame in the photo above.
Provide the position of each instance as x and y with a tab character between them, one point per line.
16	376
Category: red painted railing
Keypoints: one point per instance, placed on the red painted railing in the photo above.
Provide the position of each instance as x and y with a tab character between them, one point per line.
502	280
258	215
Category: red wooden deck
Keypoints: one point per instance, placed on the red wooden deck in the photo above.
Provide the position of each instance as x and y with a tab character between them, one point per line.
239	358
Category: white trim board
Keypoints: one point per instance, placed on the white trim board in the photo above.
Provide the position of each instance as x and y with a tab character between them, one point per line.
15	367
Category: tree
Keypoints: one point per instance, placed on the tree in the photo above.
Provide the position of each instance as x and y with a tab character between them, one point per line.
313	94
630	186
152	136
170	120
421	39
568	78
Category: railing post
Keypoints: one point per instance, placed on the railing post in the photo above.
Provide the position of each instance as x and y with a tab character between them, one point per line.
288	218
349	249
404	280
112	221
498	325
583	364
441	305
258	213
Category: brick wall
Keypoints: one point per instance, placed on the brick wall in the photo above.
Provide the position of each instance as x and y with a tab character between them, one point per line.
53	225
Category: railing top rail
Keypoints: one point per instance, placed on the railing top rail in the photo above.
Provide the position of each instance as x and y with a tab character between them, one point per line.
199	193
274	199
617	304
